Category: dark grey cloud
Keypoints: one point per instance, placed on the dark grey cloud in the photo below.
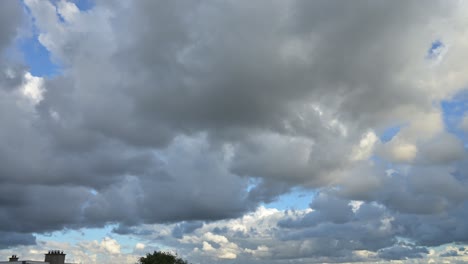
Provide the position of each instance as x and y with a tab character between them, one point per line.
10	18
402	251
435	230
427	189
374	227
31	208
11	21
185	228
326	209
11	239
192	111
340	229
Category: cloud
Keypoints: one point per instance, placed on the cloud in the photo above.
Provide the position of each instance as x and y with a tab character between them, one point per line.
370	234
110	245
12	239
33	88
11	17
140	246
185	228
464	123
451	253
261	237
403	251
190	113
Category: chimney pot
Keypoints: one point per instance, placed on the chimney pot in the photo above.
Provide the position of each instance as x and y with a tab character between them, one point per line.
13	258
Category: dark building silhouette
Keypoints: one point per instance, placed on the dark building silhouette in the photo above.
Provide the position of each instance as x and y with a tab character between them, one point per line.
51	257
55	257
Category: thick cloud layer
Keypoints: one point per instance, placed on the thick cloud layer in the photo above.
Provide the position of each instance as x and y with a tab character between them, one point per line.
190	111
10	19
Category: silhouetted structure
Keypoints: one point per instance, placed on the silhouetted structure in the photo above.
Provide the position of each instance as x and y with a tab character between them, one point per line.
55	257
52	257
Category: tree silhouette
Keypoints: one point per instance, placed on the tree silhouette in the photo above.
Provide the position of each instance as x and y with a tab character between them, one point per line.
160	257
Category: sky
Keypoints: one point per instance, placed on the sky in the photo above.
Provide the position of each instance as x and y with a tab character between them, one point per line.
254	132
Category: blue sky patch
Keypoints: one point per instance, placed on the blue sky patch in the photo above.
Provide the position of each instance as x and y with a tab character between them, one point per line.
436	49
37	57
297	199
389	133
453	112
85	234
84	5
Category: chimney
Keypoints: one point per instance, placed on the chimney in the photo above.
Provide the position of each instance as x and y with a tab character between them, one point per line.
13	258
55	257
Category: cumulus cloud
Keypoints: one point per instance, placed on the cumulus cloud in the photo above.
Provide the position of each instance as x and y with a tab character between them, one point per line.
371	233
191	112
